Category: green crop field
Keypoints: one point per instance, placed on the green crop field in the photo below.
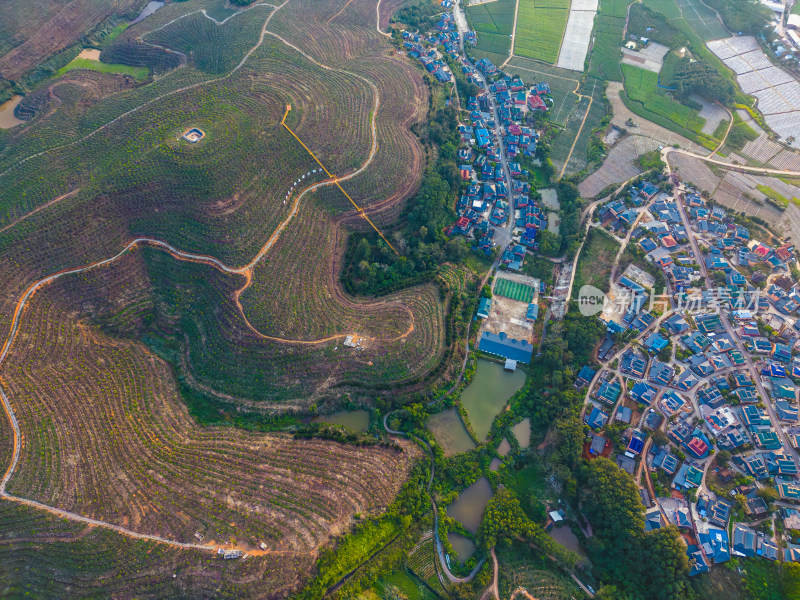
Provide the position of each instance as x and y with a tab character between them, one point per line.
642	86
694	13
139	73
540	28
513	290
608	27
493	22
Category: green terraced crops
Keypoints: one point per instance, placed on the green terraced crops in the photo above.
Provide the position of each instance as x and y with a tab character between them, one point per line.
513	290
540	28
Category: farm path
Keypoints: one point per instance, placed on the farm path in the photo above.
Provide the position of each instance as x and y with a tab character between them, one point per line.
162	96
583	122
725	137
720	163
513	37
341	10
378	24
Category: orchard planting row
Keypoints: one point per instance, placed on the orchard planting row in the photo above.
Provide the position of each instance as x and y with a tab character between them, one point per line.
107	437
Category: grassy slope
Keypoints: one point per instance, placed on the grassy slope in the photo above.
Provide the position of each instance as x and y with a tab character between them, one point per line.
138	73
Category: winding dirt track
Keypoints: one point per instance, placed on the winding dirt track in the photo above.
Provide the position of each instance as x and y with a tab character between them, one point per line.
246	271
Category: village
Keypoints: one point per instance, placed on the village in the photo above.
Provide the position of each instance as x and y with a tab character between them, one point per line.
696	390
498	196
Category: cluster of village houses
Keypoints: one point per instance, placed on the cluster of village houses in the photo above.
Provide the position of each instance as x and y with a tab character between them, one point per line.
714	361
715	367
487	201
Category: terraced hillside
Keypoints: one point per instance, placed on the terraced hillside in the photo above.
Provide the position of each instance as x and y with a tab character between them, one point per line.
153	286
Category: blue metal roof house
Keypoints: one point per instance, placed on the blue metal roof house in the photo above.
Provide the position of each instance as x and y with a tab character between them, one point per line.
484	308
502	345
533	312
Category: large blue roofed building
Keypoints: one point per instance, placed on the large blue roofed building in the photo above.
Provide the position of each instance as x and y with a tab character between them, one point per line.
502	345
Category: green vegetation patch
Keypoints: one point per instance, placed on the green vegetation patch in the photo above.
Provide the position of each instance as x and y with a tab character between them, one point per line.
774	197
608	29
596	260
513	290
138	73
493	22
740	134
641	86
540	28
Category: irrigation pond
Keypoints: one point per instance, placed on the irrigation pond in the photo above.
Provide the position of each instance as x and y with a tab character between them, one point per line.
7	118
450	432
354	420
463	546
488	393
468	507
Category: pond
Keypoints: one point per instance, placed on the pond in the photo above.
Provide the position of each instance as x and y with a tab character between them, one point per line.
354	420
564	536
450	432
522	431
463	546
495	464
487	394
550	199
7	118
504	448
148	10
468	507
553	222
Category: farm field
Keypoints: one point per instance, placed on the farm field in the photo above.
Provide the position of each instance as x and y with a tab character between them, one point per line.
540	29
596	260
608	28
643	97
641	86
493	22
702	19
570	148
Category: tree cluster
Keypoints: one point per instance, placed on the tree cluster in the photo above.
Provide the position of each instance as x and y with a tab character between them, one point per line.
650	565
693	76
